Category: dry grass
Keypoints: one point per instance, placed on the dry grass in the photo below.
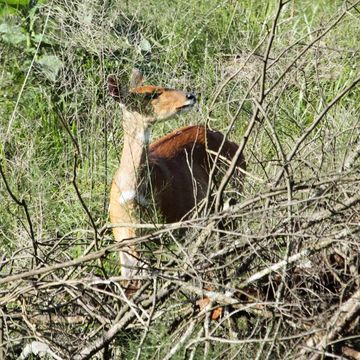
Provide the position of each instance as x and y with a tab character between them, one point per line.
283	263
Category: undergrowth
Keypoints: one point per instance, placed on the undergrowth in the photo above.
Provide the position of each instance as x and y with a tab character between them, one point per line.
56	119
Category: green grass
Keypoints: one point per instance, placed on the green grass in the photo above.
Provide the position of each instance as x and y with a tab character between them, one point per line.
191	45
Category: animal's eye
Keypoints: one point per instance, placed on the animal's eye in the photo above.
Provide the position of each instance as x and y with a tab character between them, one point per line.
152	95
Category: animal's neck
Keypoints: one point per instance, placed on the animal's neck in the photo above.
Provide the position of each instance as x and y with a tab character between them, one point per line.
125	196
136	136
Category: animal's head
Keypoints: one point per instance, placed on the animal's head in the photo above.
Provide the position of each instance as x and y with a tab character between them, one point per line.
154	101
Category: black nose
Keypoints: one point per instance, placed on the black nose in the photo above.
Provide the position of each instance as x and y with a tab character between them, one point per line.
191	96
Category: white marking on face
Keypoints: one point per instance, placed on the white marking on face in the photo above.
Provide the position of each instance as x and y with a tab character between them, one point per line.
190	102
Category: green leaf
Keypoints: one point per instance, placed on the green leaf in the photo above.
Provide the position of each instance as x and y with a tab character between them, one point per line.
42	38
15	2
144	45
7	10
12	34
50	65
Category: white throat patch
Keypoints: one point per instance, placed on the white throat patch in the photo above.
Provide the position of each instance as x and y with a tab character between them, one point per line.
131	195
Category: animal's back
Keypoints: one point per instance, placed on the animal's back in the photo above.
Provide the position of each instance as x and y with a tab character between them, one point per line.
180	166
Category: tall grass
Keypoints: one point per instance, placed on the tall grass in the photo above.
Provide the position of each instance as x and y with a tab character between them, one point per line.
55	57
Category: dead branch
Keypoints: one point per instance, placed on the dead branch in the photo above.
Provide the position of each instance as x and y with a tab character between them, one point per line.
342	317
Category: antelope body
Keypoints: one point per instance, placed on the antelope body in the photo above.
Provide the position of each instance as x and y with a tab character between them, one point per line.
180	164
174	169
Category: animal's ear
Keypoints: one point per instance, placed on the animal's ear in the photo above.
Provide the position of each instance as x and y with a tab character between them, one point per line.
114	88
121	93
136	78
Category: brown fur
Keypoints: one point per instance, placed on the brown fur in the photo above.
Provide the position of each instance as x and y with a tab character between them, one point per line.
181	163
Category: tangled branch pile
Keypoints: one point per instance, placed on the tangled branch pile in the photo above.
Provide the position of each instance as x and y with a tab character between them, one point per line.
275	275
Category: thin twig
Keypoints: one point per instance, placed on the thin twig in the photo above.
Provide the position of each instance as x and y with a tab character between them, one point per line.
23	204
